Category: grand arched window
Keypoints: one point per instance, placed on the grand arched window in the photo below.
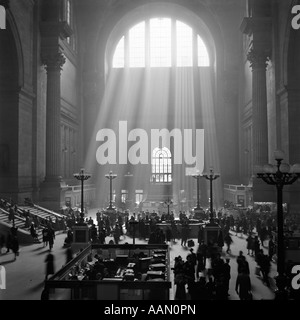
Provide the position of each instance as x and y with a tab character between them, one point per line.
160	75
160	42
161	165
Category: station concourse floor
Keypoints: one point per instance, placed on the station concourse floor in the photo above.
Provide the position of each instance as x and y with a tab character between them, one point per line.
25	276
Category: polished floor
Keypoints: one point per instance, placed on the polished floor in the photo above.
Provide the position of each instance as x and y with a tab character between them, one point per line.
25	275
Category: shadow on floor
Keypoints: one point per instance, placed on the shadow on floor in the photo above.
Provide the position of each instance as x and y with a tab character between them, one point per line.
37	287
7	262
43	252
38	248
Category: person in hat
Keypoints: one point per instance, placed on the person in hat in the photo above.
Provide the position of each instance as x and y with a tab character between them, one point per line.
227	276
15	245
189	272
201	256
33	231
193	256
228	240
116	234
243	285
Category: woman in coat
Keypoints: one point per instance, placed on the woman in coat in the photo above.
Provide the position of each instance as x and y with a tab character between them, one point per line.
51	237
33	231
243	285
45	237
15	246
250	245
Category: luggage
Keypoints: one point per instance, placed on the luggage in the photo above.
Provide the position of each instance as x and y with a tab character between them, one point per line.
257	271
191	243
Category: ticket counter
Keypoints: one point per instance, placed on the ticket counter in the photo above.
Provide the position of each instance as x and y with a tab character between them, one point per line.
132	272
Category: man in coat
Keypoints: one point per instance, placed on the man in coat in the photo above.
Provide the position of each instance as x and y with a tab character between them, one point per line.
243	285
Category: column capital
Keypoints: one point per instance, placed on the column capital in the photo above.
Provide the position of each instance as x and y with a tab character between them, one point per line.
53	60
258	58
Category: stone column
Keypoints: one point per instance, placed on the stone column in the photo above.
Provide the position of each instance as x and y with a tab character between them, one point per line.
258	61
258	28
53	63
54	29
51	195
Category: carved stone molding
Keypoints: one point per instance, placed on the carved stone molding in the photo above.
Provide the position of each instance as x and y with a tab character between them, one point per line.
261	25
55	29
53	60
258	58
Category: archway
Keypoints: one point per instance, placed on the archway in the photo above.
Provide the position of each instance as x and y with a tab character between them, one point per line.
159	98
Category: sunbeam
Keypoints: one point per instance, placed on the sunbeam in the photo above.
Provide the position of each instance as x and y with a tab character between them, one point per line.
154	98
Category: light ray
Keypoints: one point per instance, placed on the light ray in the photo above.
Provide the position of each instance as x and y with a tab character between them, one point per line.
212	158
149	98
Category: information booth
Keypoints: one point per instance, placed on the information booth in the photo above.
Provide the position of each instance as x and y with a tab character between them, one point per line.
292	247
291	257
212	235
132	272
81	237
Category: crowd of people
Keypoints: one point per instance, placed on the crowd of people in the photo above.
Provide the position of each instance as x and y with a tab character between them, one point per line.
202	276
205	275
29	218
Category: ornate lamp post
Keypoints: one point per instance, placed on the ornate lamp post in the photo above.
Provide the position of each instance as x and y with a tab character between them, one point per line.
82	176
110	177
168	203
197	177
128	185
211	177
279	175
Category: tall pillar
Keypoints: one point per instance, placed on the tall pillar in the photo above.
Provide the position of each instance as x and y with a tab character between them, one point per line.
53	63
258	61
51	191
54	28
258	28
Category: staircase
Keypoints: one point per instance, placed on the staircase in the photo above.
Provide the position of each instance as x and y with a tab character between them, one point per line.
19	222
44	216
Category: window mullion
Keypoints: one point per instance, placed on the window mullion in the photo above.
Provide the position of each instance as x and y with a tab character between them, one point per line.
173	43
180	35
126	49
147	43
195	49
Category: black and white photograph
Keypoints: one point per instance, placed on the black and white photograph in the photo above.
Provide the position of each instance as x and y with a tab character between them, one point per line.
150	153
